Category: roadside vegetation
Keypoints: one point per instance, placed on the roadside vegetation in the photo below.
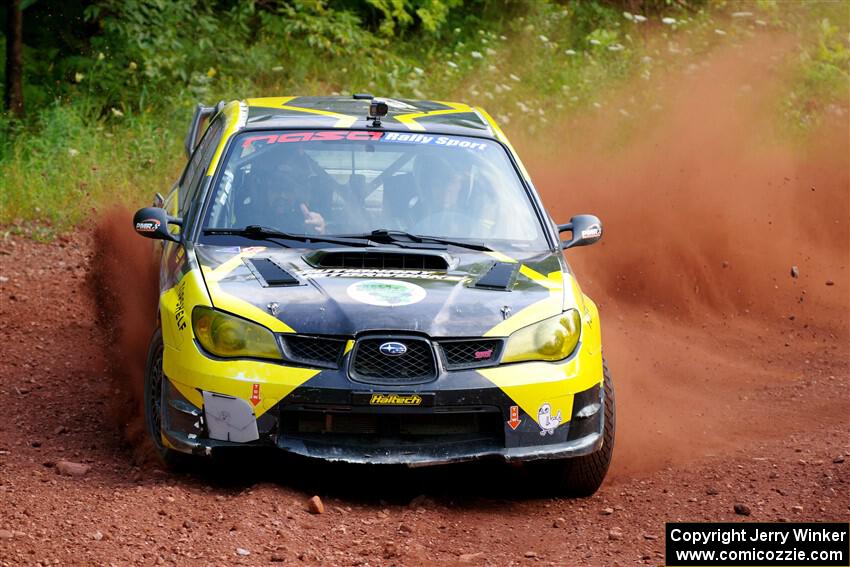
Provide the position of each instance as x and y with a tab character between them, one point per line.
109	86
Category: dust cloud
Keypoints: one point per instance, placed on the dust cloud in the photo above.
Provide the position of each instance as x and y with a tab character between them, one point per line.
706	209
123	285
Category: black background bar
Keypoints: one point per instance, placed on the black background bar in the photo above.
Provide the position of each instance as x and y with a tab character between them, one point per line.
805	544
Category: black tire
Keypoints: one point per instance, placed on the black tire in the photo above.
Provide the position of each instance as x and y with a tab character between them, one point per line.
153	411
582	476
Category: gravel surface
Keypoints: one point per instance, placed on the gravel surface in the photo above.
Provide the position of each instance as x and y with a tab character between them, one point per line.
74	492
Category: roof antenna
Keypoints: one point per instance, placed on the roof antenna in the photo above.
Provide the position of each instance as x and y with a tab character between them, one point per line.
377	109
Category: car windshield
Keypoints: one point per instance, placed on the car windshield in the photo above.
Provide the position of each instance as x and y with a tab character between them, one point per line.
346	183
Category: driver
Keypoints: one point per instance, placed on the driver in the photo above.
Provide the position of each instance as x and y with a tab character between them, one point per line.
280	192
442	198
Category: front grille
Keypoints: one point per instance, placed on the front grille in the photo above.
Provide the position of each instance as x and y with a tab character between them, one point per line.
415	365
471	353
313	351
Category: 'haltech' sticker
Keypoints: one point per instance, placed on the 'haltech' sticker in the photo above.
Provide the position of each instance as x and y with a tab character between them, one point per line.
359	136
386	293
395	400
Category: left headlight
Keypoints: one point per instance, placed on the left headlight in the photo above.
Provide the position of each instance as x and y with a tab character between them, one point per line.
229	336
551	339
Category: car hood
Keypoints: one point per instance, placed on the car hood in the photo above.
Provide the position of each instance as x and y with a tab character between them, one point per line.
469	295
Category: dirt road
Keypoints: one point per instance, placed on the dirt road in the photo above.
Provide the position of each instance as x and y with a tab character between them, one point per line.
732	378
784	455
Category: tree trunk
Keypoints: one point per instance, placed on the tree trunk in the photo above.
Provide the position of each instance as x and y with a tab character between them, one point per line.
14	60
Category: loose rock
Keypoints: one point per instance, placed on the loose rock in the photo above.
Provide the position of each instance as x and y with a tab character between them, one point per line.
795	272
742	510
68	468
615	534
797	509
606	511
241	551
559	523
315	505
390	550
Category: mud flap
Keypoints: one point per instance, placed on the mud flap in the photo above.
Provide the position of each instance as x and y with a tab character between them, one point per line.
229	418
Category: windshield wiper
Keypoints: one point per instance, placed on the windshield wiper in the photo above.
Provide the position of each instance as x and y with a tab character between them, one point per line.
408	240
265	233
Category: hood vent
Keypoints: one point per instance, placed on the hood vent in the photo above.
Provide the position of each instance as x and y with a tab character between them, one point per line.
500	276
269	273
378	260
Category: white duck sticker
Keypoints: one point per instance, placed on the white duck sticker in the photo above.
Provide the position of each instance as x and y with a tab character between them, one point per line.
546	420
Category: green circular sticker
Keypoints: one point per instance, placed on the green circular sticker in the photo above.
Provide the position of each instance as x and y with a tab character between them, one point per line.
386	293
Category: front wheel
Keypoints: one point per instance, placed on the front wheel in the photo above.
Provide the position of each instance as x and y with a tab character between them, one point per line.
154	377
582	476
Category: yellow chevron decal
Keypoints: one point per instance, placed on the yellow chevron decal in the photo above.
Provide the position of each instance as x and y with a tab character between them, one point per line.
342	120
409	120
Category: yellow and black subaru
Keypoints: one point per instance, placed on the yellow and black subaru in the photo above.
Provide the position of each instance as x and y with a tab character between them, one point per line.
371	281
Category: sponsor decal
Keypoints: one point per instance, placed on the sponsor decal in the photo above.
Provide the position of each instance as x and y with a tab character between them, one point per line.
395	400
546	420
367	273
401	137
514	421
274	308
386	293
359	136
179	309
255	394
593	231
147	225
483	354
316	136
393	349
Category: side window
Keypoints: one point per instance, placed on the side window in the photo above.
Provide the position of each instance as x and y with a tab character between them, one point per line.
197	168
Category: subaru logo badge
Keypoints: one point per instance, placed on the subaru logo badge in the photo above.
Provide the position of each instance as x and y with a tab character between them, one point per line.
392	349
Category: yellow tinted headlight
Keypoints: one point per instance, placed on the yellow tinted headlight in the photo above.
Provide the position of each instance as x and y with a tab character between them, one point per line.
551	339
232	337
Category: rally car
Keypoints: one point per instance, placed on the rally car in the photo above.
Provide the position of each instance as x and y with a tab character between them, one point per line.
371	281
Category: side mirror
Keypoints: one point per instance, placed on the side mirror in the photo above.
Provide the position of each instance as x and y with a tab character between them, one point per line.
152	222
585	229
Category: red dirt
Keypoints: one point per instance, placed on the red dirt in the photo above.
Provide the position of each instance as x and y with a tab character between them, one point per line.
723	397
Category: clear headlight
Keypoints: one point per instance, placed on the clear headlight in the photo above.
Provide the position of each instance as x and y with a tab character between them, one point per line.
232	337
551	339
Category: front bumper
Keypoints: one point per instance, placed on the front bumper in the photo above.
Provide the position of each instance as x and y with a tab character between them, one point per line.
462	415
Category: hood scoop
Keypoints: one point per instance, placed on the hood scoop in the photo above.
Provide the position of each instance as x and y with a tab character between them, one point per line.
269	273
500	276
378	260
